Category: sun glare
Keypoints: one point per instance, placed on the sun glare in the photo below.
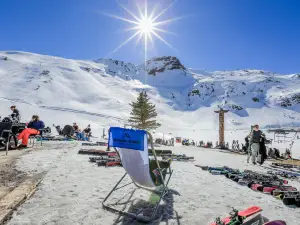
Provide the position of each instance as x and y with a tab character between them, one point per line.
145	25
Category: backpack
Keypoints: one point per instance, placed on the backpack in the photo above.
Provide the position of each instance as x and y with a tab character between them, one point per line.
68	131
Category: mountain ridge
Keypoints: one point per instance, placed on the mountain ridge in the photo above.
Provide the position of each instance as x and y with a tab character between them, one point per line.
181	94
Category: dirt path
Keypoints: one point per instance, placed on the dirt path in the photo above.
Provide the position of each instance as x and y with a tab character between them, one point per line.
9	176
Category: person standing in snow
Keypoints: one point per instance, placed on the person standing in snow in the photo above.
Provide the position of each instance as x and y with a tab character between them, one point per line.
254	143
15	116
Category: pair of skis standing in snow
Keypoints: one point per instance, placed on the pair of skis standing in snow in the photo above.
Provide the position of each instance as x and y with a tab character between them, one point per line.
256	146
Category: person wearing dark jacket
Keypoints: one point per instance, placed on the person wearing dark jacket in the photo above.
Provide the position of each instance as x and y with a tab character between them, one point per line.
33	128
254	143
87	133
76	128
15	116
262	156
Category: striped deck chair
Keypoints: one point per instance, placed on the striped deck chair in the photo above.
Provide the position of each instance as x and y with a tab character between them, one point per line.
132	147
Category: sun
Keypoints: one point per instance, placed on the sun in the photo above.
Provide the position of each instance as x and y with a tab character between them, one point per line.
145	25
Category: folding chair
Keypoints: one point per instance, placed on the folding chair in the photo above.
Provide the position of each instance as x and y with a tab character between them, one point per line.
132	147
33	137
5	134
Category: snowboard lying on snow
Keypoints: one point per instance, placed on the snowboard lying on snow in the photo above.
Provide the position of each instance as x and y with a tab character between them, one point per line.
177	157
111	159
98	143
94	152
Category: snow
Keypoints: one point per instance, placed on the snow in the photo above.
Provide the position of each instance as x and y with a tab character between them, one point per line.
73	189
63	91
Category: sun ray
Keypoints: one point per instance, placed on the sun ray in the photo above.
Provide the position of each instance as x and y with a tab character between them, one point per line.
139	10
146	51
125	42
146	26
139	38
152	14
132	28
146	9
163	40
162	12
164	31
151	39
167	21
124	19
127	10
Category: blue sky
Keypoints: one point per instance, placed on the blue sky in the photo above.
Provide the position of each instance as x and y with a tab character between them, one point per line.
214	35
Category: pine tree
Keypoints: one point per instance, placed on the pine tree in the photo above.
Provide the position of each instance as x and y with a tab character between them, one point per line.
143	113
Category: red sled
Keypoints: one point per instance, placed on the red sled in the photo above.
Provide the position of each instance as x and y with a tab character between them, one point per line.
245	213
283	188
254	187
111	153
113	163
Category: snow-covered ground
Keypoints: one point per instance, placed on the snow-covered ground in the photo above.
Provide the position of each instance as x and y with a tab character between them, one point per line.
63	91
73	189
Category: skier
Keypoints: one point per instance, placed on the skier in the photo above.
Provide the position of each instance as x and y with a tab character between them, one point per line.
33	128
15	116
254	143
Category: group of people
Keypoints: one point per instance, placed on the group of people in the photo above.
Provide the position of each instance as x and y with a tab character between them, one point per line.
255	144
35	127
160	141
82	135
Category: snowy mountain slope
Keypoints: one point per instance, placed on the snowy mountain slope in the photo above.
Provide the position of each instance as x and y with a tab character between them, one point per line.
98	92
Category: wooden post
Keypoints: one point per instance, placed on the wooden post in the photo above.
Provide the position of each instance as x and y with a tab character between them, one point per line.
221	113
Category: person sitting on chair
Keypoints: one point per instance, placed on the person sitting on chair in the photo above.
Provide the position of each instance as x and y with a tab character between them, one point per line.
33	128
76	128
87	133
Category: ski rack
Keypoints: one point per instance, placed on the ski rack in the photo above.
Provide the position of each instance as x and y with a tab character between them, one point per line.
283	133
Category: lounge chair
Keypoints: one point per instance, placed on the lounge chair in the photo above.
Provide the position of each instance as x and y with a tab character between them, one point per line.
132	147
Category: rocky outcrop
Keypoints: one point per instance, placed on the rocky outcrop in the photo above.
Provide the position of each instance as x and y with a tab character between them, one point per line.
161	64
